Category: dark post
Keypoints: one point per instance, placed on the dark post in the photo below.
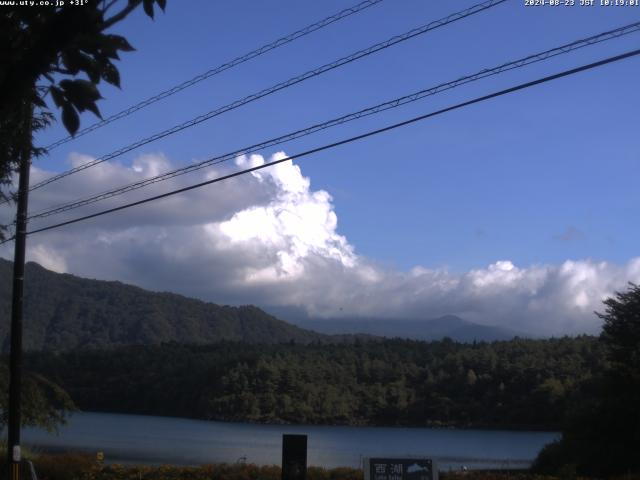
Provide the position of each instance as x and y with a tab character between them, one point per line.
294	457
15	360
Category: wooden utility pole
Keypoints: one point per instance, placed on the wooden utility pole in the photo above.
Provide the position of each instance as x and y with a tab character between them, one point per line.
15	360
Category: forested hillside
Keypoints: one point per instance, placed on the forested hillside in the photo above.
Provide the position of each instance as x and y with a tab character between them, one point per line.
517	384
64	312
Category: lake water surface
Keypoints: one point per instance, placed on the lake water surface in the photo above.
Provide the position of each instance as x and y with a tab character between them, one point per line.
156	440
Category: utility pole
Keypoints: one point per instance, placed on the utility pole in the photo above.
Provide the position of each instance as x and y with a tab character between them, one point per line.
15	360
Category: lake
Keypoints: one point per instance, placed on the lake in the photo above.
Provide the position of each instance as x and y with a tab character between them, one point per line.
138	439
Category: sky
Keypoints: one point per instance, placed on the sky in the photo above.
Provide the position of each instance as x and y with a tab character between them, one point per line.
519	211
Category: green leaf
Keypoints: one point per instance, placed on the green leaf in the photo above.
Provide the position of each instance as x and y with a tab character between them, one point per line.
148	7
70	118
110	74
119	43
90	67
89	88
107	50
88	43
162	4
58	96
77	61
94	74
71	60
92	107
80	91
108	46
82	94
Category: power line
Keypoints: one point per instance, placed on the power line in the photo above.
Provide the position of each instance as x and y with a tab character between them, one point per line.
521	86
280	86
219	69
534	58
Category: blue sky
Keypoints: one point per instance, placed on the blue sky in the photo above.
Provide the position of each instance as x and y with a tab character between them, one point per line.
508	178
538	177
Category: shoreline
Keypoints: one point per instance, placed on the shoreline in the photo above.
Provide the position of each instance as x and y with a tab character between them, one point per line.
432	426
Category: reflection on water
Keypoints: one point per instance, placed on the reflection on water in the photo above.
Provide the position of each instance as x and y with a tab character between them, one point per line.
155	440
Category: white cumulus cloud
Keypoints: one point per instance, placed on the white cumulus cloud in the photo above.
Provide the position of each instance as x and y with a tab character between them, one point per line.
269	239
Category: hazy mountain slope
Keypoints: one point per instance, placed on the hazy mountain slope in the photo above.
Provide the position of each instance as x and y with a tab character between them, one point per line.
433	329
66	312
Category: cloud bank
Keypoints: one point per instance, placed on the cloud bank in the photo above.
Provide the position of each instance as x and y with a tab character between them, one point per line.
269	239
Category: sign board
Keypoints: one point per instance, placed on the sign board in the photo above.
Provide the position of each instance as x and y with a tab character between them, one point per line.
400	469
16	455
294	457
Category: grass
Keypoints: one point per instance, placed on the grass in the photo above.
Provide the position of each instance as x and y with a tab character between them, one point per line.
78	466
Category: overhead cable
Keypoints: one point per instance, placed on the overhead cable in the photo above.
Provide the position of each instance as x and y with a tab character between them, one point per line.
280	86
521	62
506	91
219	69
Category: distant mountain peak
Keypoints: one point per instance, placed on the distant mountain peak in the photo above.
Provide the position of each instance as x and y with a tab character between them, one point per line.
437	328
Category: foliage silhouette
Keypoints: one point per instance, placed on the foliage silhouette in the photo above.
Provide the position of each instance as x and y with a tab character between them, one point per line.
64	52
602	434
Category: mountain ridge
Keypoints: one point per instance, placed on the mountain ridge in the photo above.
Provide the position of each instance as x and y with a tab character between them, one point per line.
451	326
66	312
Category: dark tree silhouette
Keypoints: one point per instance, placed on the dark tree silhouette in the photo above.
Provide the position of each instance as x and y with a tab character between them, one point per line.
60	51
621	334
619	415
602	435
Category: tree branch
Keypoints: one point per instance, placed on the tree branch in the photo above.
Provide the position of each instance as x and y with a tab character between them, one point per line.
121	15
109	5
